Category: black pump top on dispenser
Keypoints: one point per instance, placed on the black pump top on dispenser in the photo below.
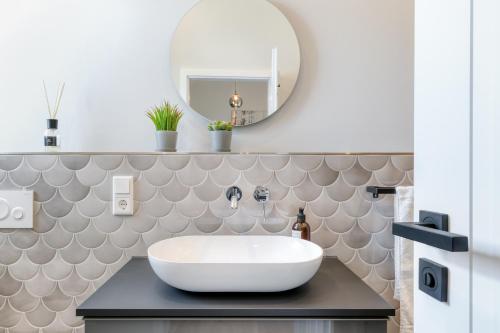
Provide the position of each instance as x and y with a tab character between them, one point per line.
301	217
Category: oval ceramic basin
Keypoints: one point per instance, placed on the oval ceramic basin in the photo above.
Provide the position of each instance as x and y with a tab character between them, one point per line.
235	263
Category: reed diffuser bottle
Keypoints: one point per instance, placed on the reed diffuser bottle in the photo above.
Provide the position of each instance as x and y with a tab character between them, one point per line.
51	138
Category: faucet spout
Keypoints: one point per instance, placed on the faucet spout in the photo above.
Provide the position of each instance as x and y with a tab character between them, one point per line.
234	195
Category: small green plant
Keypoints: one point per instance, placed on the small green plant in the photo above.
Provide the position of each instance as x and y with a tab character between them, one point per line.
220	125
165	116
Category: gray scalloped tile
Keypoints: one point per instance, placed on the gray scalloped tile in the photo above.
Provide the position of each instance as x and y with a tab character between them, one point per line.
340	162
74	253
191	206
175	162
74	222
74	190
240	223
57	238
356	237
373	162
192	175
142	162
324	237
91	238
58	175
23	238
373	253
42	191
340	190
225	175
324	175
341	251
141	222
290	175
389	175
107	222
208	191
69	255
277	191
175	191
108	162
323	206
158	175
157	206
307	162
124	238
242	162
91	206
24	175
57	206
10	162
403	162
207	223
23	301
57	269
357	175
6	185
40	285
340	222
108	253
91	174
307	190
41	162
176	222
143	191
75	162
356	206
9	254
42	222
289	205
257	174
208	162
274	162
8	317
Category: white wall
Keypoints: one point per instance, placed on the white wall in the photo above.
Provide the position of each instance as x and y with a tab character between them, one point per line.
354	92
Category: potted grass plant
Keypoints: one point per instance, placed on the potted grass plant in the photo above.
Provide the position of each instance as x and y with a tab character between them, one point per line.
165	117
221	133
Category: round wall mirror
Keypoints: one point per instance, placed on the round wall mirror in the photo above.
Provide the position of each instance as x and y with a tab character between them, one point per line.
235	60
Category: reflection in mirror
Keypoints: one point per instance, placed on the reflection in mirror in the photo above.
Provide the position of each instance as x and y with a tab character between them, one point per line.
239	68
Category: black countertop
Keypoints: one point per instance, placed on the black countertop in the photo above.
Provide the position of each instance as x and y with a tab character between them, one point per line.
334	292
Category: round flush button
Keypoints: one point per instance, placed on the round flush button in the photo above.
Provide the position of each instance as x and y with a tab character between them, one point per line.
4	209
18	213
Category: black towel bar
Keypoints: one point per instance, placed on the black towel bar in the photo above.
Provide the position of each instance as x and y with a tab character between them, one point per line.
432	230
376	190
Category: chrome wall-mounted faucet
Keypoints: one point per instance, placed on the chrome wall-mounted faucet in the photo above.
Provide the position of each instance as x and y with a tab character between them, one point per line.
234	195
261	194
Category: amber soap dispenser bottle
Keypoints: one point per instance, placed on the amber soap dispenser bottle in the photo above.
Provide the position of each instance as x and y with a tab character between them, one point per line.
301	229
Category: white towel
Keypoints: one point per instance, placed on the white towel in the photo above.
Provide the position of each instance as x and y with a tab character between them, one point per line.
403	259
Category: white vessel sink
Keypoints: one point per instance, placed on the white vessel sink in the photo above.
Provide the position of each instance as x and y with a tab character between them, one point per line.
235	263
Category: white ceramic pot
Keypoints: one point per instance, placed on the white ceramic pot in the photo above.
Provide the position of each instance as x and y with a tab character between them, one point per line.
221	140
166	141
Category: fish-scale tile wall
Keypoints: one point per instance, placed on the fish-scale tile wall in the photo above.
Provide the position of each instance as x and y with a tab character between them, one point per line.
77	244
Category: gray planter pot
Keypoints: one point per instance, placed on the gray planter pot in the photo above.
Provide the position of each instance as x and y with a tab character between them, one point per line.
166	141
221	140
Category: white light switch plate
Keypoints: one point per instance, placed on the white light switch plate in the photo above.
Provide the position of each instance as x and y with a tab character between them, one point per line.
123	195
16	209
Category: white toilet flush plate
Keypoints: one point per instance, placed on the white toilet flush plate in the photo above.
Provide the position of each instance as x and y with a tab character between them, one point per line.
16	209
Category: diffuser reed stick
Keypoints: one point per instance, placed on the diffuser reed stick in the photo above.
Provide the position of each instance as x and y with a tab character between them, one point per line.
60	91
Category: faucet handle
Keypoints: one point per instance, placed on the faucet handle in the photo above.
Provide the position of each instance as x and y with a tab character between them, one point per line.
261	194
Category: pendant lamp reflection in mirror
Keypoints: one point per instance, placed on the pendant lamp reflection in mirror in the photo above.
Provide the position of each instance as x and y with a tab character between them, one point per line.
235	102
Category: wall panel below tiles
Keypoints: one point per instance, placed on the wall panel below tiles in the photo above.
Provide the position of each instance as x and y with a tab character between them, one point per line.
77	244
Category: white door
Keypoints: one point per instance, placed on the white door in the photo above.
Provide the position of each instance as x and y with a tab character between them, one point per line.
457	157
